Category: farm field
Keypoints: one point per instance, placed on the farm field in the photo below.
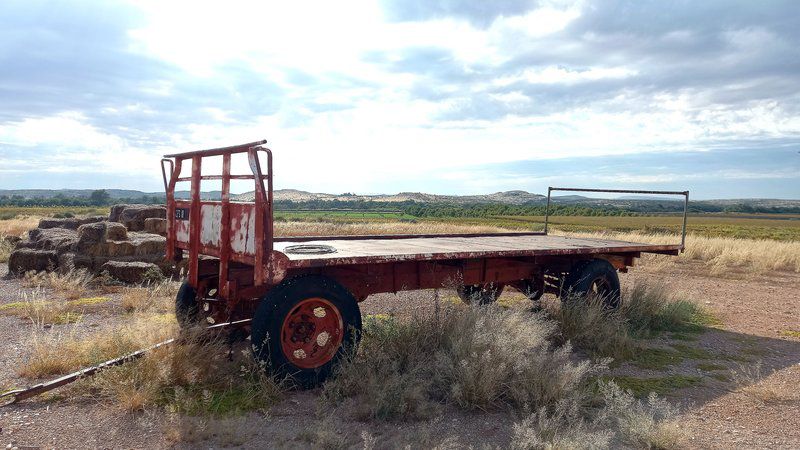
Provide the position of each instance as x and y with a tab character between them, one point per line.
785	227
768	226
724	371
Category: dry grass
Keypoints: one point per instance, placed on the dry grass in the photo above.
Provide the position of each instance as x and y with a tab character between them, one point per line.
649	423
646	310
72	284
754	383
157	298
619	421
561	427
36	307
473	357
195	376
18	225
721	253
225	432
60	352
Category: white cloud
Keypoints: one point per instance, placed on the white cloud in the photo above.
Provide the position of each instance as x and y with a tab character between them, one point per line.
72	145
540	85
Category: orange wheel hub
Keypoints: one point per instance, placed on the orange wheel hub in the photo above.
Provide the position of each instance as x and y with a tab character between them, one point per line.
311	333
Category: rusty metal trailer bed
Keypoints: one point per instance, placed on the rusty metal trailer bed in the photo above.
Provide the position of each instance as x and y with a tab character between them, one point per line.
298	296
302	293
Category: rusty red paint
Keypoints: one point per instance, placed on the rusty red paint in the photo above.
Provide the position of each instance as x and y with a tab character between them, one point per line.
246	265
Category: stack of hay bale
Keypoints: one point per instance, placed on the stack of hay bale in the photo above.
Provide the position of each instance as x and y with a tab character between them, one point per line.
129	245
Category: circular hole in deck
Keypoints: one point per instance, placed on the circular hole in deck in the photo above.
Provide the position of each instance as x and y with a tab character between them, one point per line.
309	249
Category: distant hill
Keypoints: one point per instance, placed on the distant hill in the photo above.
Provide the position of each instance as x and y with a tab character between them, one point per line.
510	197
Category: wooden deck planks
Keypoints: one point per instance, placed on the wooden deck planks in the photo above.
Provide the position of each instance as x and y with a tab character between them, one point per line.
428	248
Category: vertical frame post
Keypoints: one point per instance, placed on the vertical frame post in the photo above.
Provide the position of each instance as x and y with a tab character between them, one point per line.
547	210
685	214
270	223
172	239
194	222
225	228
260	211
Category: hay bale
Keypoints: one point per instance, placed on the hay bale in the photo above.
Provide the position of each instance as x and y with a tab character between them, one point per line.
92	233
71	223
58	239
148	244
25	259
120	248
116	231
92	219
116	210
98	233
92	239
50	222
129	271
69	261
133	216
155	225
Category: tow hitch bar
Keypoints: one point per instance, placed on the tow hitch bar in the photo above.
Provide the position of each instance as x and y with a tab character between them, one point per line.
14	396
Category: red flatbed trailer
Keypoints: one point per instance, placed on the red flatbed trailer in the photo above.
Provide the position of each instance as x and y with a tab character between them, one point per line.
302	292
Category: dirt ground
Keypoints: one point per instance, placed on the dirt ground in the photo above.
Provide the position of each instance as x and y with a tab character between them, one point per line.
757	315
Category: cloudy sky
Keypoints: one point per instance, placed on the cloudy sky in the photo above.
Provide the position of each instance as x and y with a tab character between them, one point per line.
444	96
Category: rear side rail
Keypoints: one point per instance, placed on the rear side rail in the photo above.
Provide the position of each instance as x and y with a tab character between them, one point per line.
685	195
171	167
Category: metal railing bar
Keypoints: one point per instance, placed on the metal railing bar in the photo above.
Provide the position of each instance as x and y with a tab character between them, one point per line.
685	195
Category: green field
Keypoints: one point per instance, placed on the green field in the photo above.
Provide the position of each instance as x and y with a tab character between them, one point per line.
781	227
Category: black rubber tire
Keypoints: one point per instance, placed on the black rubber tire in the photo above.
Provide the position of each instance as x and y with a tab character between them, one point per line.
187	309
582	279
279	302
483	293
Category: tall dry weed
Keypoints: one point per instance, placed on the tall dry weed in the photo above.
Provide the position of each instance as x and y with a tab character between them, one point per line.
649	423
722	253
72	284
645	310
158	298
18	225
476	357
195	375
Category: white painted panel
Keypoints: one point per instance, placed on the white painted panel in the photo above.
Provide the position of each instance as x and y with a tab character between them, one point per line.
242	232
182	230
210	224
251	235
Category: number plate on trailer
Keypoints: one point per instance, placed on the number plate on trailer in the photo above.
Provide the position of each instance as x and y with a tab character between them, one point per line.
182	213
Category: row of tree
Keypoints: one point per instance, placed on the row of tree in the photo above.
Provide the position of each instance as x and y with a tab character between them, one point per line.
98	197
